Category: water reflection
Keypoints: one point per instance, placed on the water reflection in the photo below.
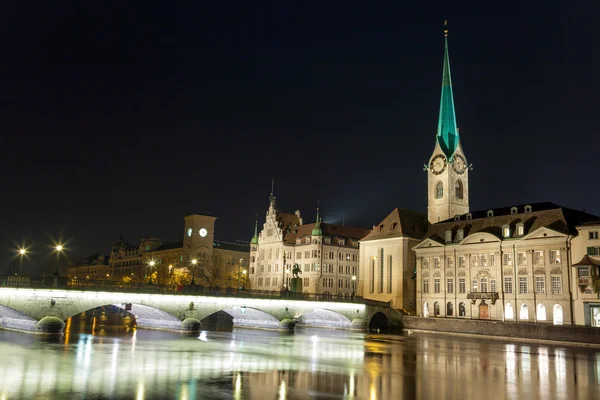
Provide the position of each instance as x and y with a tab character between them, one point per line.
312	363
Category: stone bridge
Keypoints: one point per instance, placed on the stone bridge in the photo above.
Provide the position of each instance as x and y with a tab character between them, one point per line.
45	310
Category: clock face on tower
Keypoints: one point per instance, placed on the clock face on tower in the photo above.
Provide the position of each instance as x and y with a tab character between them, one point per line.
459	164
203	232
189	232
438	164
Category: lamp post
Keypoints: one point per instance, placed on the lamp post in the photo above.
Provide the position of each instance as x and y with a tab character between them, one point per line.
239	271
22	253
353	287
244	274
151	264
59	248
194	262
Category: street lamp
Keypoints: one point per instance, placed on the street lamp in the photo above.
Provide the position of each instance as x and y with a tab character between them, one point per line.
59	248
239	270
194	262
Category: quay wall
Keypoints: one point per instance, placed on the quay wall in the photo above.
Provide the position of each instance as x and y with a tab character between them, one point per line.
524	330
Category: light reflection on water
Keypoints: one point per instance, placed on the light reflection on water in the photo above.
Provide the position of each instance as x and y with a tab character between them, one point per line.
312	363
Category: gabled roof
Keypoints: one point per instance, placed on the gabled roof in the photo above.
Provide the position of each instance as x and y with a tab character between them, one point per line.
545	214
400	223
329	230
587	260
288	223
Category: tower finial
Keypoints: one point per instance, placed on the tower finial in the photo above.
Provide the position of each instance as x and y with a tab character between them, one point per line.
255	237
446	28
272	186
317	231
271	197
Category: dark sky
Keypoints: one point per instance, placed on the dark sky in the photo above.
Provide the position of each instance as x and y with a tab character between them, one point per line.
121	118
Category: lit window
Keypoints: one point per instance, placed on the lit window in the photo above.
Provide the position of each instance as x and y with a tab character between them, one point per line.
483	285
521	258
522	285
508	286
554	256
540	285
557	284
538	257
439	190
474	285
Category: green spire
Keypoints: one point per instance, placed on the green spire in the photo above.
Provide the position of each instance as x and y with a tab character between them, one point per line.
255	237
447	133
317	231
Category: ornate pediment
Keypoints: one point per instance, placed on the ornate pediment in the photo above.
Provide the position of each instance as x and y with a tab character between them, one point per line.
425	274
539	271
556	271
484	274
436	275
450	273
462	273
522	272
507	271
543	232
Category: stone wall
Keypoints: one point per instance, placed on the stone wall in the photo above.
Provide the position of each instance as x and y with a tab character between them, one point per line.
567	333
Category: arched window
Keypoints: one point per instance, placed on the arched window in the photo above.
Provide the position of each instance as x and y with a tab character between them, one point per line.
484	285
459	189
558	314
541	312
449	309
436	309
426	309
462	310
439	190
509	313
524	313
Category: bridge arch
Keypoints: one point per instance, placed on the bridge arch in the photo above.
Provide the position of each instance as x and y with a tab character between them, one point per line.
379	321
320	317
246	317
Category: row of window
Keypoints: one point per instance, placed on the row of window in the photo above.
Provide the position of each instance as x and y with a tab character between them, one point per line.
508	311
314	267
481	285
330	255
489	260
327	282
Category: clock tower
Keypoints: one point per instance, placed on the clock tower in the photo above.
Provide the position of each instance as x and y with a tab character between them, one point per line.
198	236
447	170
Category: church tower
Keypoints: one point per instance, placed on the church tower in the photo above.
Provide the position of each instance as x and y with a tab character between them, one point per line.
447	171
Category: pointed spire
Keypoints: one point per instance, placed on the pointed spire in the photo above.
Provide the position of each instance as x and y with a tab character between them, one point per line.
317	231
447	132
271	197
255	237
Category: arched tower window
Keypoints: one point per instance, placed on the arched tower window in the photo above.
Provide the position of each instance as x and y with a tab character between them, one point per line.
439	190
459	189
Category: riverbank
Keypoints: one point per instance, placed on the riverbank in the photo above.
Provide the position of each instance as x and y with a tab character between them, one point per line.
568	334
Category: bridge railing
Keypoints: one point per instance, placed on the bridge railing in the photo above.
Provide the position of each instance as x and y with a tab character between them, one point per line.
61	282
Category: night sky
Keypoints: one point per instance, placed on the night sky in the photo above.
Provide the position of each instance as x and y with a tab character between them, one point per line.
118	118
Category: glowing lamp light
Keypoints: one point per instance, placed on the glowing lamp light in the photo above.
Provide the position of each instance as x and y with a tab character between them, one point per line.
59	247
353	277
244	272
194	261
22	252
152	263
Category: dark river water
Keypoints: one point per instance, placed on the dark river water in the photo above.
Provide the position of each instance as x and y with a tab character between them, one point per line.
94	360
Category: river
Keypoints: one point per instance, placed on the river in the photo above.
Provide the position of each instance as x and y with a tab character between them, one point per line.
99	361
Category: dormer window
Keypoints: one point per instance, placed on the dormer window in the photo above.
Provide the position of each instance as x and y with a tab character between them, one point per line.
460	235
513	210
327	241
298	241
527	208
457	217
520	229
393	226
505	231
469	216
448	236
490	213
307	240
341	242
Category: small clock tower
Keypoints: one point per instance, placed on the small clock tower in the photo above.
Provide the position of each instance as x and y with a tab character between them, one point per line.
447	170
199	235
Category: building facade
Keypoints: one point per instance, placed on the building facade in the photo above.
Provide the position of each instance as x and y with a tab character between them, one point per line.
327	254
387	260
508	264
197	257
586	274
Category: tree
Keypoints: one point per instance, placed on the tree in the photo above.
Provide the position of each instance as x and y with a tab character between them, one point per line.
209	273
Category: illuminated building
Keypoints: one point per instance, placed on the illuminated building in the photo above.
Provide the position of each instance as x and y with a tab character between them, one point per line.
211	262
586	274
327	254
